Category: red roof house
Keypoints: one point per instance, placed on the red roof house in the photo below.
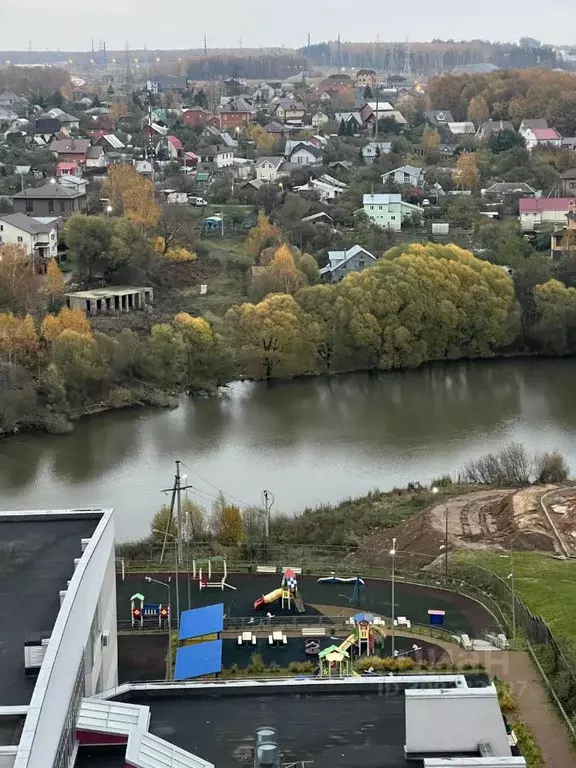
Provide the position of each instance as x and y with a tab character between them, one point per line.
538	211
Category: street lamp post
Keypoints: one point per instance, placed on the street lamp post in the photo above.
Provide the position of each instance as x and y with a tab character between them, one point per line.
393	554
165	533
435	491
167	585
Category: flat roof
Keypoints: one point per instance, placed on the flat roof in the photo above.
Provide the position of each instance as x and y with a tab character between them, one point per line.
196	622
36	562
103	293
334	731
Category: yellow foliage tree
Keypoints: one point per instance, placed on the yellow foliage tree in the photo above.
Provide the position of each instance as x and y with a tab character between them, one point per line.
431	138
227	522
66	320
261	236
283	274
466	174
54	282
132	194
18	338
179	254
265	141
478	110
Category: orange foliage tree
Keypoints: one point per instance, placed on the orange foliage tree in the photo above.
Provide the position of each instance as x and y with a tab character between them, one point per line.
18	338
66	320
132	194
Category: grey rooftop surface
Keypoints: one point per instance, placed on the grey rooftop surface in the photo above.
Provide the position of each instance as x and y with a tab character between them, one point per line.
36	562
353	730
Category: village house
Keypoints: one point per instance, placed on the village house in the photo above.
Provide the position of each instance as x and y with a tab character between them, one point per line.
542	137
108	141
342	263
501	189
406	175
467	128
38	237
269	168
302	153
49	200
528	125
221	157
70	150
234	114
353	122
568	183
326	187
388	211
490	127
318	218
319	119
560	245
540	212
169	148
438	117
96	157
366	77
195	116
374	149
46	129
287	110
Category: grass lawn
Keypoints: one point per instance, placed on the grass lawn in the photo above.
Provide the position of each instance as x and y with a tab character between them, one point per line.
546	585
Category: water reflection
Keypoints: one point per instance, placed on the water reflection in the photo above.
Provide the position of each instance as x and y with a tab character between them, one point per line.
309	441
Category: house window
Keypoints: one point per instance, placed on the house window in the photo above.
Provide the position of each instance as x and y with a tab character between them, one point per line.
62	207
20	239
361	264
393	217
50	206
29	206
1	227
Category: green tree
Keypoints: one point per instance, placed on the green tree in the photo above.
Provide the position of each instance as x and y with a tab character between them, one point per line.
77	358
206	358
165	355
194	520
555	326
162	522
502	141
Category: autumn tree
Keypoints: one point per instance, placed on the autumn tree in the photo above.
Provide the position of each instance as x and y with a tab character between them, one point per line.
18	283
263	235
194	520
466	174
18	338
556	316
132	195
163	522
478	110
206	359
177	228
77	358
431	138
54	283
65	320
227	522
280	276
271	338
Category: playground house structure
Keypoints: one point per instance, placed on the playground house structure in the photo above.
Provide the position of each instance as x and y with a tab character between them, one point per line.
139	610
204	570
362	639
287	593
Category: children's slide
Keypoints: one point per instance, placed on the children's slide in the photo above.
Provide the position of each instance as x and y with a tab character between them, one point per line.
276	594
350	640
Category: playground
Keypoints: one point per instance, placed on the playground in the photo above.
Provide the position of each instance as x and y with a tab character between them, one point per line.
251	590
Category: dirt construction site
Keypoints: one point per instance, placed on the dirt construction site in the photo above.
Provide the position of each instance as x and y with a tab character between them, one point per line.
537	517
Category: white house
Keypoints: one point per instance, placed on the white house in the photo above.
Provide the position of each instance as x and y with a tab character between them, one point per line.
406	174
536	212
540	137
326	186
388	211
342	263
371	151
466	128
38	237
268	168
302	153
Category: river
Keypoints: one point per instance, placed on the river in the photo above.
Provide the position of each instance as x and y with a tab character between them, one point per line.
307	441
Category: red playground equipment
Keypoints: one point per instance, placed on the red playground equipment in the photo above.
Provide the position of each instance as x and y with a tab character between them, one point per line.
287	593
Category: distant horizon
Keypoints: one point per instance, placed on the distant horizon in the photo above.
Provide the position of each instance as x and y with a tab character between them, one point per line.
98	46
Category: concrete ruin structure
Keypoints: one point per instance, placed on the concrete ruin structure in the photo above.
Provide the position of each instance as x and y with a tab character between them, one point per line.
111	300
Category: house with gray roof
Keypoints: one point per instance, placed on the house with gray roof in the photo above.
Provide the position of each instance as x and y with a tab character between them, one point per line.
38	238
342	263
49	200
406	175
438	117
490	127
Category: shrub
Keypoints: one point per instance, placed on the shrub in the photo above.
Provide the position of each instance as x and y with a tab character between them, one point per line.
530	751
386	664
551	468
509	467
442	482
301	667
179	254
506	698
256	663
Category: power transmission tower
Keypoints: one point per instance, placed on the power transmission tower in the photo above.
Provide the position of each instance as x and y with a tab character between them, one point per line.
205	46
309	40
128	76
407	58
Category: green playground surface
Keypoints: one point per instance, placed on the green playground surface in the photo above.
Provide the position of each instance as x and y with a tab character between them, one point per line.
411	600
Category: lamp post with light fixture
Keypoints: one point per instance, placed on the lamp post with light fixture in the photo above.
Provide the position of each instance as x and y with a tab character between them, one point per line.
166	533
149	579
393	555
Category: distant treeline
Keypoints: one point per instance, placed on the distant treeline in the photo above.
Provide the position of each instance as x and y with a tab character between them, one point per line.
253	67
436	56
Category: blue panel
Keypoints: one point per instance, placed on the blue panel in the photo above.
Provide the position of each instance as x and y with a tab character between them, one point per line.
201	621
199	659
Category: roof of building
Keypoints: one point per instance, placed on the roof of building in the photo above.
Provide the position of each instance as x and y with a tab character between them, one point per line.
93	153
70	146
510	187
175	141
287	104
570	173
339	258
540	204
534	123
26	223
112	140
47	192
275	161
464	127
413	170
495	126
385	146
382	199
437	116
37	559
317	217
47	125
546	134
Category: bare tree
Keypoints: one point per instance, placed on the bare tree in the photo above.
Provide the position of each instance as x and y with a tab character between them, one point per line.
551	468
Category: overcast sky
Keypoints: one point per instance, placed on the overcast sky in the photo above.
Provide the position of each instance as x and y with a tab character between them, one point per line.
70	24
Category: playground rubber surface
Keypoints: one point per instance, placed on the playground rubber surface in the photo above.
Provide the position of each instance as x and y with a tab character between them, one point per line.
36	561
411	600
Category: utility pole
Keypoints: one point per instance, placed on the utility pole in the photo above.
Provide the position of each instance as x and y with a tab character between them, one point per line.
309	40
446	542
175	500
268	503
205	45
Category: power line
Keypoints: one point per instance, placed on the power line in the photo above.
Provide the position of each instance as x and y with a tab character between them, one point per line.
235	498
